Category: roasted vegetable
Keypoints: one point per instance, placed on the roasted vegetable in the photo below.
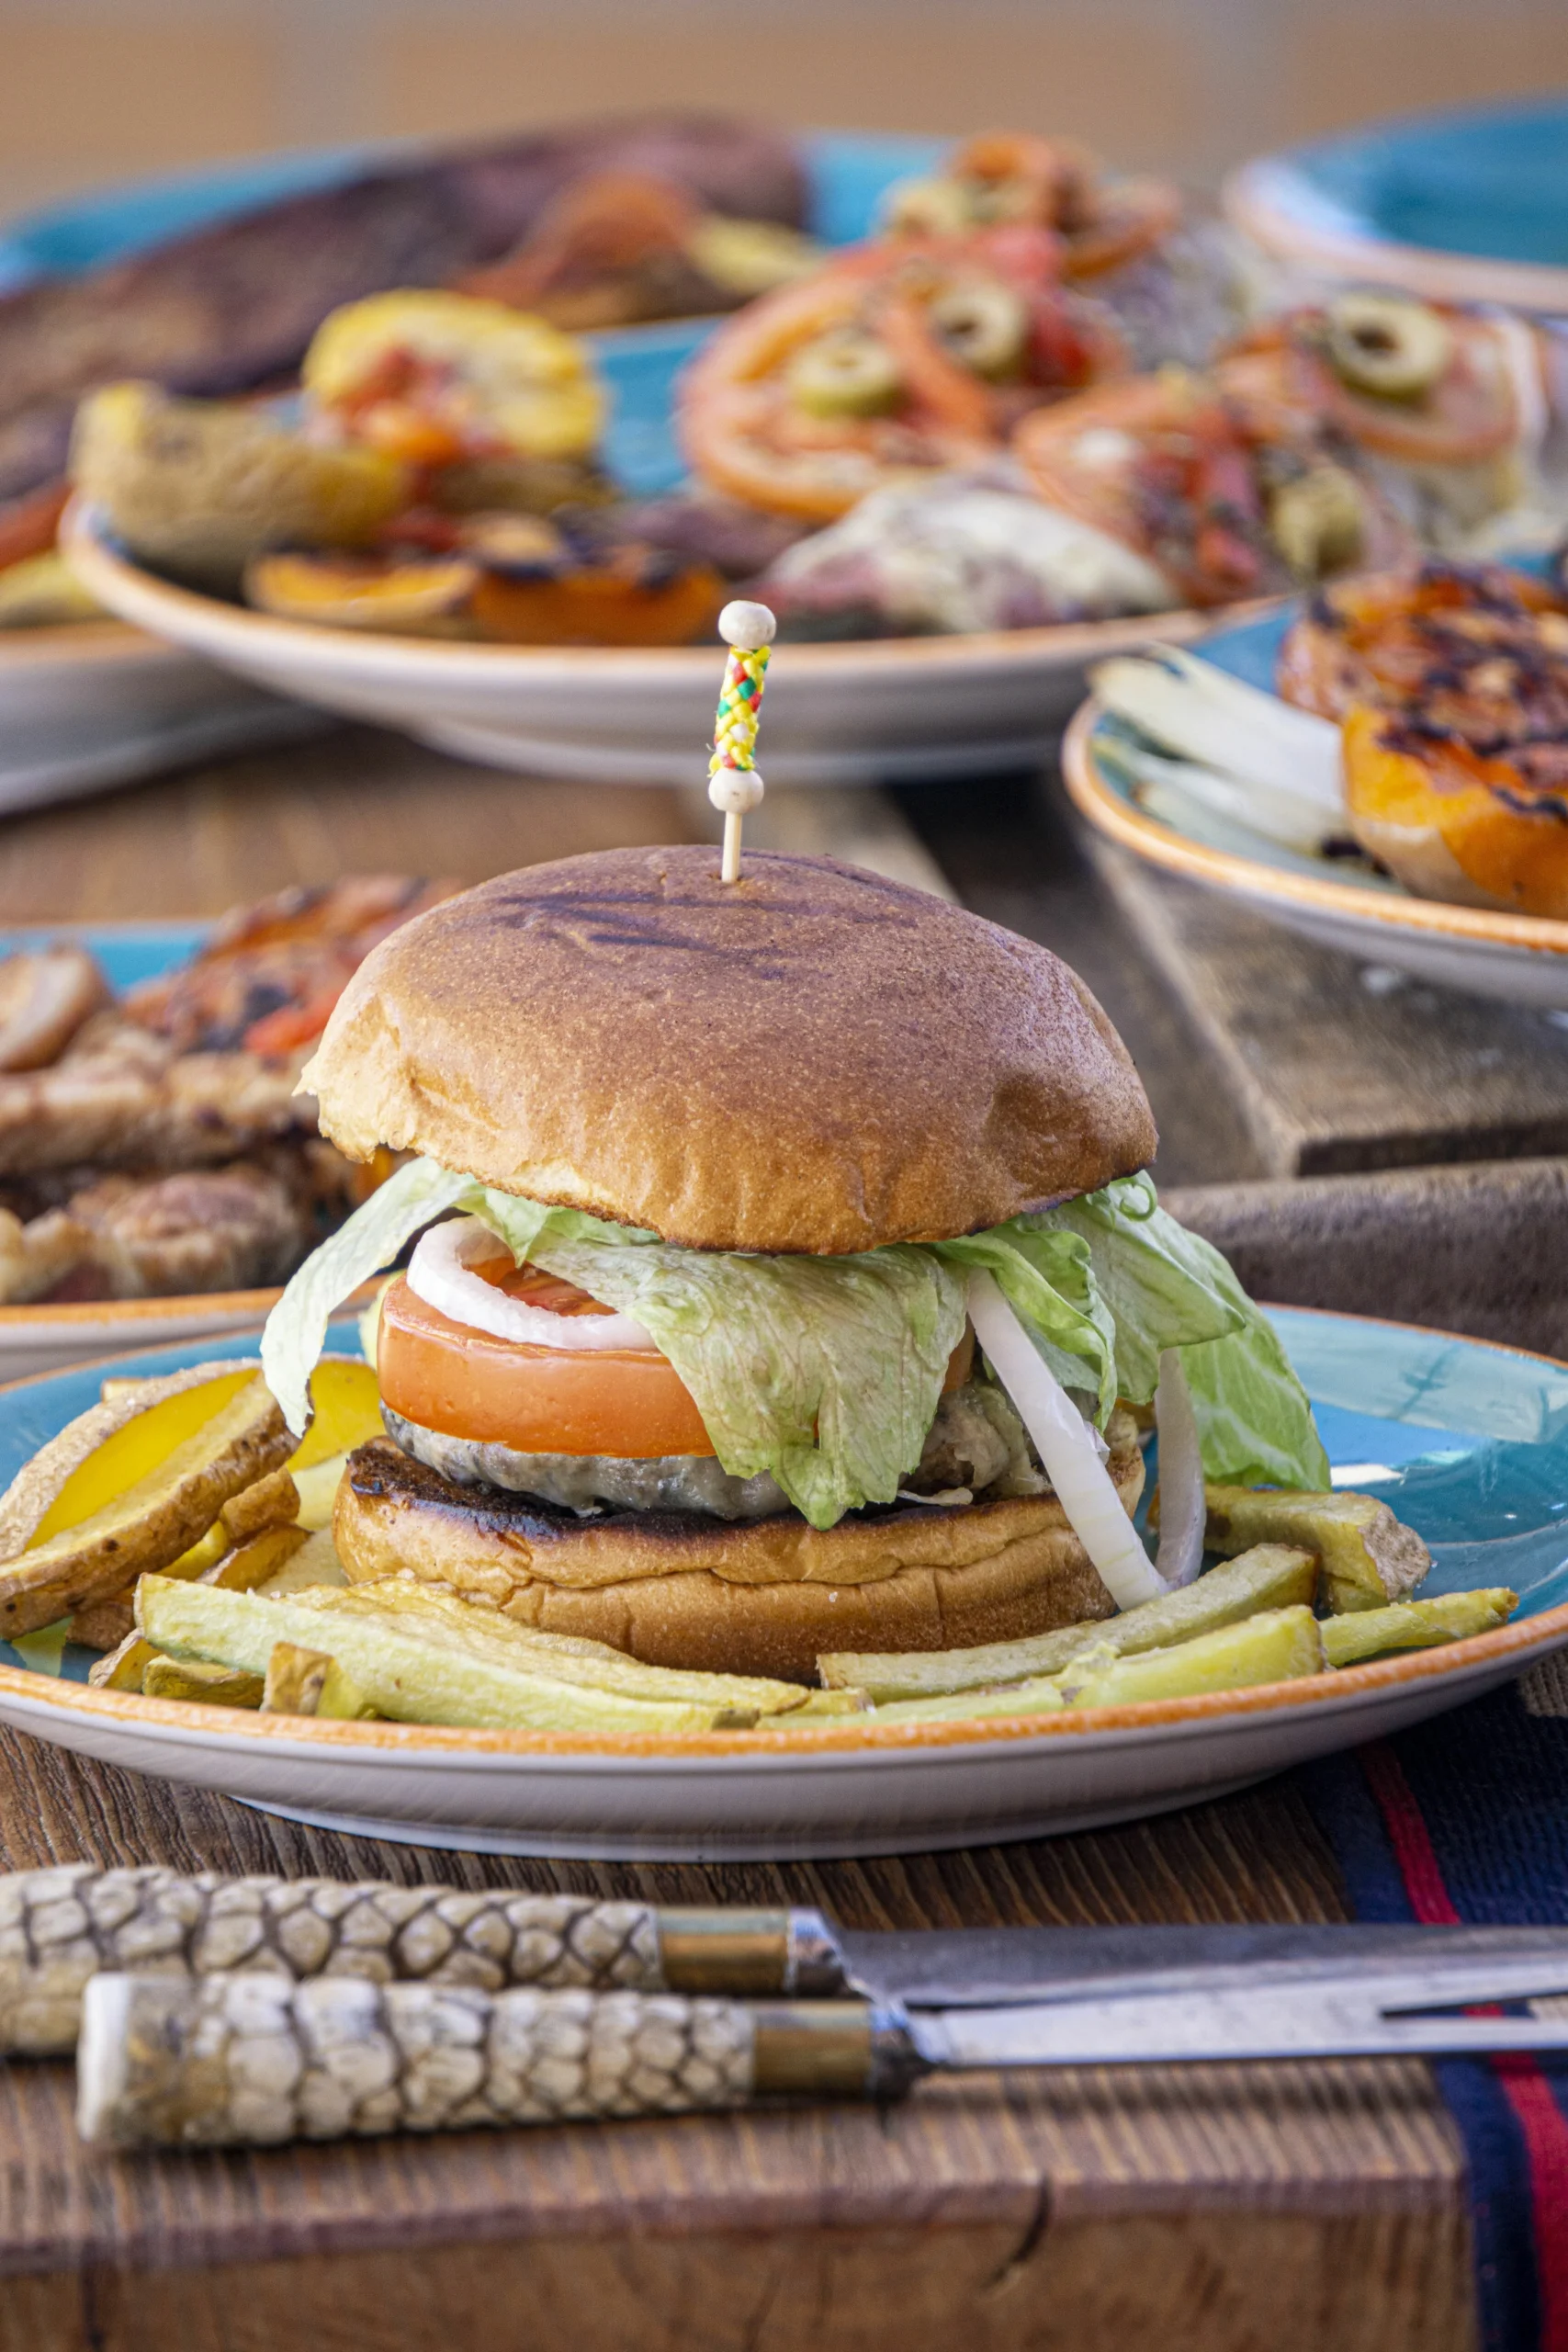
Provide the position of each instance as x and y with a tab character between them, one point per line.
1368	1557
1416	1624
199	487
129	1486
123	1668
404	595
273	1501
256	1561
1015	176
432	378
1271	1577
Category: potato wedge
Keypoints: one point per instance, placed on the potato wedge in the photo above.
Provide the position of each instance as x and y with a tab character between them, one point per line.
104	1624
1273	1645
309	1682
317	1488
1416	1624
346	1411
315	1563
1273	1575
216	1686
1369	1556
128	1486
256	1561
273	1501
123	1669
409	1671
435	1615
1276	1645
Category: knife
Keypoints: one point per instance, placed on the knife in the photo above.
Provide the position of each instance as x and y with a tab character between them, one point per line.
256	2059
60	1927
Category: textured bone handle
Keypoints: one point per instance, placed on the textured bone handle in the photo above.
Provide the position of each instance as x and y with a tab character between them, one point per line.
255	2060
58	1927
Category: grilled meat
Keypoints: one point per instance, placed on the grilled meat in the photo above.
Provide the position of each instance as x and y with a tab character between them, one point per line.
233	305
46	996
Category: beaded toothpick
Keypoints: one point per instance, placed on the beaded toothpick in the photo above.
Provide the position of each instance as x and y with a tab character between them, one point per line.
735	785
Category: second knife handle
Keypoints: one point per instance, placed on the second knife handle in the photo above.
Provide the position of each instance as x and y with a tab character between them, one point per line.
256	2061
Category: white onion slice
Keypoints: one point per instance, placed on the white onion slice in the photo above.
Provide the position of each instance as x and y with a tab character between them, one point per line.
1064	1442
440	1273
1182	1509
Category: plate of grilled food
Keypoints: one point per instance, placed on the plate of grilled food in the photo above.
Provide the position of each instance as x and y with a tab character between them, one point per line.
1384	769
797	1429
1024	417
160	1177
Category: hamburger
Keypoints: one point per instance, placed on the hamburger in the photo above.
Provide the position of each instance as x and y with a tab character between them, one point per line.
788	1278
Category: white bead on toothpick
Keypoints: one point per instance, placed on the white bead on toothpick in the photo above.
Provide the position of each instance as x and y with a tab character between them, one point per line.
734	783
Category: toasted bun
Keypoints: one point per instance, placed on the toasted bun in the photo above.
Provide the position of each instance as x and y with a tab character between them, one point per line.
764	1598
811	1060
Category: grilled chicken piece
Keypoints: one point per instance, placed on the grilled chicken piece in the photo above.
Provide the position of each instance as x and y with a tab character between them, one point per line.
209	1229
46	994
201	1109
271	973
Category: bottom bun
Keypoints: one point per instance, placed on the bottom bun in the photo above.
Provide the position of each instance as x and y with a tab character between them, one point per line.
674	1588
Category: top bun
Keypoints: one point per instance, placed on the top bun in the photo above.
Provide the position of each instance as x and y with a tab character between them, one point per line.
810	1059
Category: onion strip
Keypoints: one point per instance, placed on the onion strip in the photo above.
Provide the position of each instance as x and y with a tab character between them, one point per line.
440	1273
1183	1511
1067	1446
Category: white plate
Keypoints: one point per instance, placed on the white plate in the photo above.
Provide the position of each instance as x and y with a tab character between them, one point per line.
910	707
1468	1442
97	703
1523	959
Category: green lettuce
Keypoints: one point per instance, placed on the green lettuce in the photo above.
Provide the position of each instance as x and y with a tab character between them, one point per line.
826	1371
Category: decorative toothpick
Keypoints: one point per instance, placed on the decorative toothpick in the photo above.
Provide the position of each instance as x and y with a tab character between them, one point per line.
734	786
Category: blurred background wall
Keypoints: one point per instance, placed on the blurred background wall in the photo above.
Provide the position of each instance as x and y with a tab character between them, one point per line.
92	90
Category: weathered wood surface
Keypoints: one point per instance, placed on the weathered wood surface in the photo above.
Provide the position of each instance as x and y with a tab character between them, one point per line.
1232	2210
1337	1064
1236	2206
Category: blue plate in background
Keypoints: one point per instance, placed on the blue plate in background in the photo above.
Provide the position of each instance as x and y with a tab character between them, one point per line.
1470	204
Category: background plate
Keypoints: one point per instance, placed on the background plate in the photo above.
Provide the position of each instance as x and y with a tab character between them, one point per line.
1467	1442
1467	205
1521	959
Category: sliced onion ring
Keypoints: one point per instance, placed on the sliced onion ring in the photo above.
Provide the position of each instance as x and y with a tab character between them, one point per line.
1182	1509
1065	1444
440	1273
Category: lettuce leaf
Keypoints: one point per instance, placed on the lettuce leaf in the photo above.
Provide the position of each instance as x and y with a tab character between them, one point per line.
413	1196
824	1371
1167	1288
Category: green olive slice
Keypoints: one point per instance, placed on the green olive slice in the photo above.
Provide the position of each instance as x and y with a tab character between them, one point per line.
928	208
981	323
1318	522
848	373
1386	344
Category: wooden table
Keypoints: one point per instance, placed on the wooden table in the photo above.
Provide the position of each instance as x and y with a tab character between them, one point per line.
1235	2210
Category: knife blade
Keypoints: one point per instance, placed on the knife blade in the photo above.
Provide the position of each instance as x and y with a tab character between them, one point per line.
250	2059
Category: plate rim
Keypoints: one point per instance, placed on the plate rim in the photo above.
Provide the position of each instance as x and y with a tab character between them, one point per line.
207	621
1230	870
1256	199
194	1722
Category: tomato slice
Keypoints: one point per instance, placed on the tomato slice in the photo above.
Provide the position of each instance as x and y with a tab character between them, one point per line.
629	1403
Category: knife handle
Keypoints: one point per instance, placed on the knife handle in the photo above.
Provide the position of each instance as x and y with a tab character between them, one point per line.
59	1926
255	2060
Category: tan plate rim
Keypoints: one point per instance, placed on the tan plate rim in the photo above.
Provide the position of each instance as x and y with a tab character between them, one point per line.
847	1737
1162	846
108	573
1429	271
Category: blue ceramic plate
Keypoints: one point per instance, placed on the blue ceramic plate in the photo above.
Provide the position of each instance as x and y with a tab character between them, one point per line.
1470	204
1469	1442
